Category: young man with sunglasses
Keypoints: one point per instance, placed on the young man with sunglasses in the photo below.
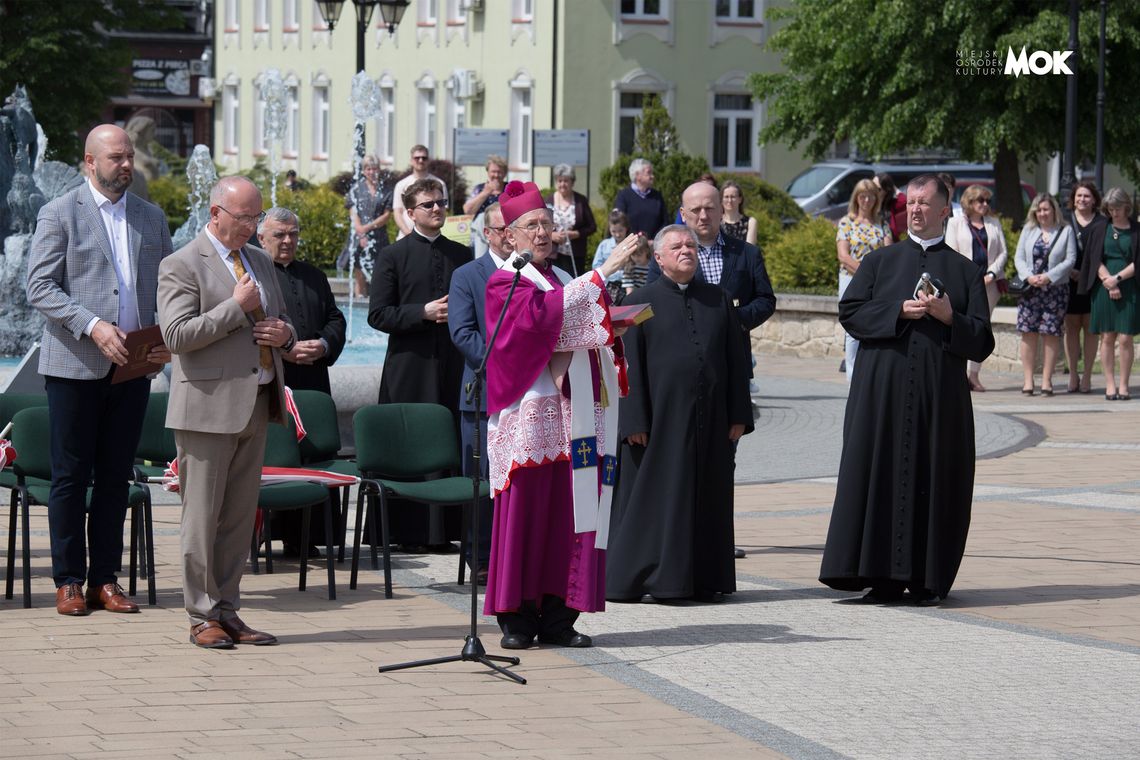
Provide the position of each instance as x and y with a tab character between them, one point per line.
420	158
410	282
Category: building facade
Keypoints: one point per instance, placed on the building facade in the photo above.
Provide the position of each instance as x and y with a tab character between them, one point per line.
518	65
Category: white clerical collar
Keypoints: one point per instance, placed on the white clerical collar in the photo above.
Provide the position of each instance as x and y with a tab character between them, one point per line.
429	238
925	243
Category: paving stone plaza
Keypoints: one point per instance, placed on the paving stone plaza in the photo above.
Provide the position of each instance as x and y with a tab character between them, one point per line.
1035	655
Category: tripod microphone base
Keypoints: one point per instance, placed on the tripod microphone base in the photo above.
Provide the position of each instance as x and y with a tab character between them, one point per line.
473	651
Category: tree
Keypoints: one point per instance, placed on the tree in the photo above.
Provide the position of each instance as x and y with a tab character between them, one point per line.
895	75
71	66
655	139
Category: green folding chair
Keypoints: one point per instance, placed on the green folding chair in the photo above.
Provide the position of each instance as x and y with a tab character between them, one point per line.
398	442
320	448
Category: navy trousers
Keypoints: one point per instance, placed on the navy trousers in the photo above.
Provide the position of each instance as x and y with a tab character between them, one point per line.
95	429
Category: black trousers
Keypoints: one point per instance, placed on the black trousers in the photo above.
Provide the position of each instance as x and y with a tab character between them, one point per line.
548	619
95	429
486	507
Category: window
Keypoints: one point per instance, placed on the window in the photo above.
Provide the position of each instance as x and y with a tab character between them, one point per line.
425	114
231	113
733	132
289	15
386	124
261	15
260	143
522	11
456	117
650	8
322	127
736	10
292	145
456	12
427	12
233	15
520	123
629	109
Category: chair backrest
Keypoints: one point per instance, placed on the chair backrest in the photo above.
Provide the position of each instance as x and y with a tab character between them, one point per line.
31	436
405	440
280	446
156	443
322	433
10	403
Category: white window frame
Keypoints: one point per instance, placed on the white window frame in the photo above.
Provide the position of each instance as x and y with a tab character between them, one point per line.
735	83
386	124
231	116
638	81
426	113
291	145
427	12
290	15
260	146
233	16
522	122
456	12
658	25
322	117
640	15
261	18
734	16
456	117
522	11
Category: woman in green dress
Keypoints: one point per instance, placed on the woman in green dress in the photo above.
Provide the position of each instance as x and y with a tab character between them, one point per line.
1108	274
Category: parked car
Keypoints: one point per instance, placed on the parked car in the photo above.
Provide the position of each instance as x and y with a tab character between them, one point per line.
1027	192
825	188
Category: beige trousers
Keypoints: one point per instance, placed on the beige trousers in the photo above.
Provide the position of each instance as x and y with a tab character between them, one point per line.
219	477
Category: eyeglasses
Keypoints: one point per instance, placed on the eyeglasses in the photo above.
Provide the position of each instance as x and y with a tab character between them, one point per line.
496	229
429	205
532	227
244	218
419	158
982	201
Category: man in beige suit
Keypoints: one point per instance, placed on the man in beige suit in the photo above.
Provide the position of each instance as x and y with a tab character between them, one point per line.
214	296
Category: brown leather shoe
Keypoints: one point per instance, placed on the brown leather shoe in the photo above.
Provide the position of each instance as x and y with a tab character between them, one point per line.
69	600
210	635
109	597
243	634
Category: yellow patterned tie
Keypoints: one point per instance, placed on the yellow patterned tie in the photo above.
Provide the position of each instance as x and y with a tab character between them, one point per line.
266	353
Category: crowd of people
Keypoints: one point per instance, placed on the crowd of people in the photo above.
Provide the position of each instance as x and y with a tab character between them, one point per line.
1072	277
610	440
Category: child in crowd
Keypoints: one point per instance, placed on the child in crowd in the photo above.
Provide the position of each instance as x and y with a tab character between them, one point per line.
619	228
635	272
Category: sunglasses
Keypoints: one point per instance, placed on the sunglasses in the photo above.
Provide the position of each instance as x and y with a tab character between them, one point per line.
429	205
419	158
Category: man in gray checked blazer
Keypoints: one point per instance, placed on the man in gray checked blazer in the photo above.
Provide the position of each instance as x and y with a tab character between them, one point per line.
222	314
92	273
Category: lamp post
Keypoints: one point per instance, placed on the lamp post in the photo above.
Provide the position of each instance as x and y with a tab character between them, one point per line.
1068	175
392	11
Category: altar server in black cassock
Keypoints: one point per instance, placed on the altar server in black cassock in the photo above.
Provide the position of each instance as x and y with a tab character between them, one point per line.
671	532
410	282
906	477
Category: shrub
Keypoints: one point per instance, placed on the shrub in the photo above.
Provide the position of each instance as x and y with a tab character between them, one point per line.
324	223
804	258
761	197
171	193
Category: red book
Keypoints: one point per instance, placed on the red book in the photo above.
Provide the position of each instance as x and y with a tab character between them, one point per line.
628	316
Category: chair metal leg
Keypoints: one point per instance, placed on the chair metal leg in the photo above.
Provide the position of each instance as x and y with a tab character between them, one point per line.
384	539
372	527
148	540
344	501
304	546
329	506
360	497
133	563
27	541
10	579
463	543
254	550
267	534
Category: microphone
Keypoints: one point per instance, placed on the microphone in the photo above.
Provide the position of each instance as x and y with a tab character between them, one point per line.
523	258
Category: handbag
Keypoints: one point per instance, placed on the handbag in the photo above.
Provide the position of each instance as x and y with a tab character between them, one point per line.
1015	286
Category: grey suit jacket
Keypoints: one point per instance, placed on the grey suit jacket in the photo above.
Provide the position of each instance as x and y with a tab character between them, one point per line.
71	277
213	387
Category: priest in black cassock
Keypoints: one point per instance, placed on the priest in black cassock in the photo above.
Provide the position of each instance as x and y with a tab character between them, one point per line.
671	534
309	302
410	282
906	477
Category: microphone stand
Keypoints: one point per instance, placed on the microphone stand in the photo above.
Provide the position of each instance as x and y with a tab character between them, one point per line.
473	650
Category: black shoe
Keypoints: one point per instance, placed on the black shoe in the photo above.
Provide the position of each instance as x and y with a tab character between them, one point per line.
738	553
878	595
481	576
412	548
843	367
516	641
926	598
445	548
567	638
712	597
649	599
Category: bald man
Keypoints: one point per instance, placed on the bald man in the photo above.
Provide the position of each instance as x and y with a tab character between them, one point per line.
222	314
92	274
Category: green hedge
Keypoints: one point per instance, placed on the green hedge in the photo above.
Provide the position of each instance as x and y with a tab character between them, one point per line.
804	258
